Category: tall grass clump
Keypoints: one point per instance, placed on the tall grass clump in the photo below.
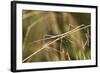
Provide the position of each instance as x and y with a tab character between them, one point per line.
55	36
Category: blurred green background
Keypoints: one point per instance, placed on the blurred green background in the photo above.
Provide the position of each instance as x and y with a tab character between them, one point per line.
39	28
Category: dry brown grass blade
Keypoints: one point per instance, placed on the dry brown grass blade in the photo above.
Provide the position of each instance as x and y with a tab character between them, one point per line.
46	45
57	35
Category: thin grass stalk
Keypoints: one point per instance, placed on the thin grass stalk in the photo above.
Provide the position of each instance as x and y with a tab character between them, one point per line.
57	35
54	42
